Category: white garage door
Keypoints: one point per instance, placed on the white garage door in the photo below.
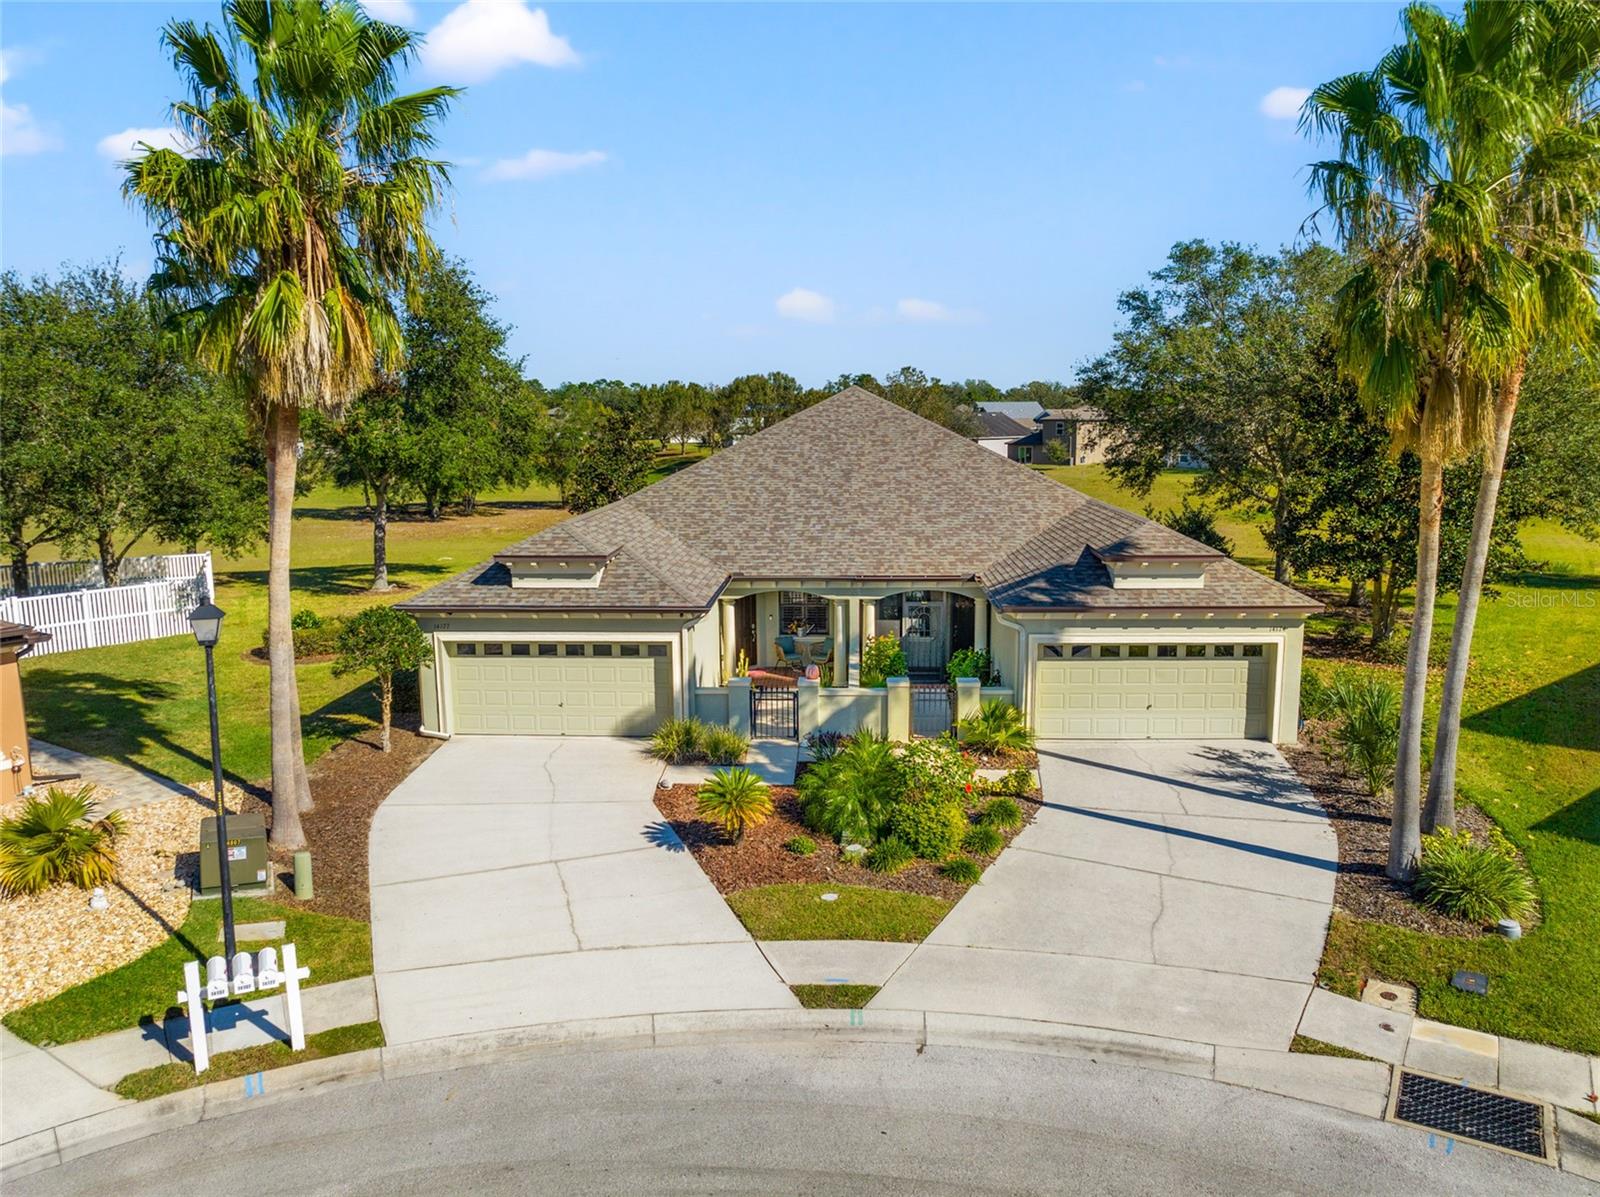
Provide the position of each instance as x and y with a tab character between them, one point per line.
566	689
1152	691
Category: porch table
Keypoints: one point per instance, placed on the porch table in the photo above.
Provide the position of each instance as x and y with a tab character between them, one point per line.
804	644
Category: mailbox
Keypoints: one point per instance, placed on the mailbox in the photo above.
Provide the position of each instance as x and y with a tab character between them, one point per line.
247	853
216	979
267	974
244	976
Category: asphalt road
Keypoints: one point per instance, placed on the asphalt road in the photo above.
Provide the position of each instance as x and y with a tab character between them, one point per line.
826	1118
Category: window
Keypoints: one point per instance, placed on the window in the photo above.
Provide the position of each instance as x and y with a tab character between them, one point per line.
494	650
519	650
1222	650
573	650
1052	652
1166	650
889	607
1111	650
1025	454
1082	650
1061	428
466	650
602	650
797	609
628	650
656	650
1252	650
1194	650
547	650
1138	650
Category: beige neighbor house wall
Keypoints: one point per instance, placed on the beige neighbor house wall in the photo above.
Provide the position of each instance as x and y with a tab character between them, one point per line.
17	774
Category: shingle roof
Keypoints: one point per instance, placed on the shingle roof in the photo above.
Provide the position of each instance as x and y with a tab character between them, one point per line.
1093	414
997	424
1019	411
853	487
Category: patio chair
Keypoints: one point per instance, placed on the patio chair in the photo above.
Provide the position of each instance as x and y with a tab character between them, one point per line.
787	656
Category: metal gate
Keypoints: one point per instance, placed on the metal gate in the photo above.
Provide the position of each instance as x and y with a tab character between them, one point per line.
930	708
774	712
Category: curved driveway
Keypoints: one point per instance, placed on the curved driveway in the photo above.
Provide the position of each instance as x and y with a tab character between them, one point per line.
1173	889
519	880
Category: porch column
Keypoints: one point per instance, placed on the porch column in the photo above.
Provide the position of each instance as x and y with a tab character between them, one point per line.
730	639
898	714
739	705
869	621
854	608
980	624
839	633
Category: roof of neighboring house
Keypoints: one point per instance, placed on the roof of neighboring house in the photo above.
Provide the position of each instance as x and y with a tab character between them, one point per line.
1036	437
1024	412
993	425
20	635
1093	414
853	487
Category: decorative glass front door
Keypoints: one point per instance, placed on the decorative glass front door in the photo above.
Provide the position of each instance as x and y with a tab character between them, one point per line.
925	630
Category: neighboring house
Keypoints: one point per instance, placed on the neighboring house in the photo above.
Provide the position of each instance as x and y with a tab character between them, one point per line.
998	431
1022	413
16	768
850	519
1081	431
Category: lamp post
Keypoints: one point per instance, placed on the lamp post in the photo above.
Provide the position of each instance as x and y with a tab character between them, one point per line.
206	620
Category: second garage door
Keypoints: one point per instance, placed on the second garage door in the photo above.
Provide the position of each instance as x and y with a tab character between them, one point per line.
565	689
1147	691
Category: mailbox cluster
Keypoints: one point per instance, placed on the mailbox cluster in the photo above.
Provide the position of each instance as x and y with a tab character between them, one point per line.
250	973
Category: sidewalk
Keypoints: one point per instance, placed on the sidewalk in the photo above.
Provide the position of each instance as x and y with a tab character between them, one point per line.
38	1091
131	787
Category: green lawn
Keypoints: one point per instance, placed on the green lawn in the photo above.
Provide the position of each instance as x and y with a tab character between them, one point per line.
225	1066
861	912
336	948
834	997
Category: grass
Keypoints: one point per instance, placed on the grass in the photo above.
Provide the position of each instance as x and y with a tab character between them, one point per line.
834	997
336	949
1307	1046
225	1066
861	912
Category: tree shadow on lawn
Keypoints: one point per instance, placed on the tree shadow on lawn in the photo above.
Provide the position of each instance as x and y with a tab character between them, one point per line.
336	579
416	513
347	716
1561	713
1578	820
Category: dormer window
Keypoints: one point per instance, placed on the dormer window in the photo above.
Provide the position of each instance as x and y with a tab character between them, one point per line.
1132	572
552	571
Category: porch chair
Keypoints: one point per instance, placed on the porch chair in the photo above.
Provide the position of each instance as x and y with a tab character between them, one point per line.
787	656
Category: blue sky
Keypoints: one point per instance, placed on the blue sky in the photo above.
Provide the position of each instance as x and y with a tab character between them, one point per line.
701	191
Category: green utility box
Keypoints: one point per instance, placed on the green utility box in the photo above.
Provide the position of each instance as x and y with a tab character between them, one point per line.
247	854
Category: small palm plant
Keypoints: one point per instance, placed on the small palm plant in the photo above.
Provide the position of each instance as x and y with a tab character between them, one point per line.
52	841
1368	732
997	727
736	800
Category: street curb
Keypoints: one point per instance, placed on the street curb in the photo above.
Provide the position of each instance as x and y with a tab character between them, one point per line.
1324	1080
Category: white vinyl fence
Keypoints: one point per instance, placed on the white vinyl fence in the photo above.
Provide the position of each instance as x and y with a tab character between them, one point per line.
117	614
54	577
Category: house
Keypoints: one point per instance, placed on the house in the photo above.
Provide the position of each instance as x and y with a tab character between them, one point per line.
1022	412
998	431
851	519
16	641
1081	432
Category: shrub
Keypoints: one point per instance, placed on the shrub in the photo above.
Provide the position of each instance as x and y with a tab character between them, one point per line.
305	619
801	845
997	727
51	841
1478	882
1002	813
983	840
1056	453
678	741
930	829
735	800
311	639
1316	699
722	745
971	662
381	641
1018	781
1197	523
882	659
889	856
935	770
823	745
963	871
1368	731
849	796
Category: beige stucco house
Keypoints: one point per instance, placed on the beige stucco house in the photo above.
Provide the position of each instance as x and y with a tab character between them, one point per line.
16	765
852	519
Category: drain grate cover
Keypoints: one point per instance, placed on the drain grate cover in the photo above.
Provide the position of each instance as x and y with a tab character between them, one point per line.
1467	1113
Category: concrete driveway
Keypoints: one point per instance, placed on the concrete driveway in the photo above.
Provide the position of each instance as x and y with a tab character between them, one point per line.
1167	888
522	880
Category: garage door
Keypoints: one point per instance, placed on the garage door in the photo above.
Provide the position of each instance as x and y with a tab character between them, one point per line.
566	689
1152	691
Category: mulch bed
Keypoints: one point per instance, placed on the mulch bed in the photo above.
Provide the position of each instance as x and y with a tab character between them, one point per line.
762	859
1006	758
1361	823
347	784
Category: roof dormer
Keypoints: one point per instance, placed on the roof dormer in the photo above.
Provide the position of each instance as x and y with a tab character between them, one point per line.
555	571
1156	572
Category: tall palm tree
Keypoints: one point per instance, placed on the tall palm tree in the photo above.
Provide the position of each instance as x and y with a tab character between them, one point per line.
1438	307
1548	207
296	207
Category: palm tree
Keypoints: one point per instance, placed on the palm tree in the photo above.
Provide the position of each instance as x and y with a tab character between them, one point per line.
295	208
1548	208
1437	308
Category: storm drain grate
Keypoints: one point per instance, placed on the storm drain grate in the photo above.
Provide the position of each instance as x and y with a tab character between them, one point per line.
1467	1113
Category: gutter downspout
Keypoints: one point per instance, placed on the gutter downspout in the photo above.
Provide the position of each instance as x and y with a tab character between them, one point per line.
1024	659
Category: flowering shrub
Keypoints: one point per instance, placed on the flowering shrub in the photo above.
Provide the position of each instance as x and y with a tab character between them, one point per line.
935	770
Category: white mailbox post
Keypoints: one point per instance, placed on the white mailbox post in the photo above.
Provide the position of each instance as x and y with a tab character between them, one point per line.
250	975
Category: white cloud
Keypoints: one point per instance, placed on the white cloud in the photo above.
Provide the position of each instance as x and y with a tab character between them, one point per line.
542	164
20	133
391	12
930	311
480	38
124	145
1283	103
802	304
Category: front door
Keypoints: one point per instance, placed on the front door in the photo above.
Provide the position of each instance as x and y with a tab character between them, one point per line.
925	630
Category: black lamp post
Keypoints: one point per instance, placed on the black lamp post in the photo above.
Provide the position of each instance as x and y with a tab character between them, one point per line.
206	620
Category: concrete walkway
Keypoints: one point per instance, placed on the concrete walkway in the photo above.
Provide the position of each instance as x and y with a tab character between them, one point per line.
131	787
834	961
1172	889
525	880
773	761
38	1091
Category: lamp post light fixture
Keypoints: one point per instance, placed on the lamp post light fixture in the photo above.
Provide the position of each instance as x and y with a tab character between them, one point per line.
206	620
